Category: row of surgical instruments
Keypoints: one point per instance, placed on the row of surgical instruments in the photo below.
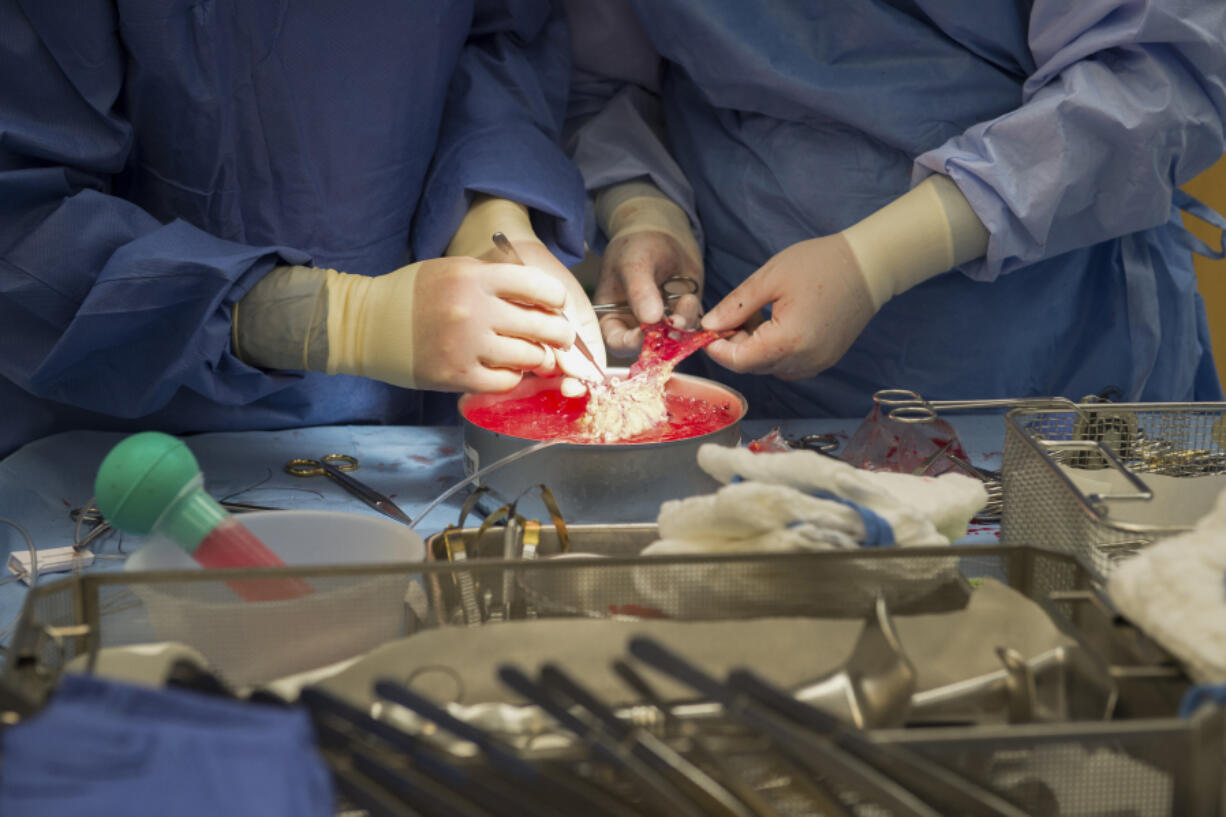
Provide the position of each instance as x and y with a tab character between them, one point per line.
616	768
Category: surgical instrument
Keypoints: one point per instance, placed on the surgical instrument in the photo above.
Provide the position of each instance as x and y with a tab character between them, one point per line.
542	781
429	783
89	514
334	467
660	794
699	747
504	246
817	754
672	289
906	406
874	688
918	774
684	773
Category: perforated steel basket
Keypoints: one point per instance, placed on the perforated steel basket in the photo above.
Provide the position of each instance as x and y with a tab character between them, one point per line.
1053	458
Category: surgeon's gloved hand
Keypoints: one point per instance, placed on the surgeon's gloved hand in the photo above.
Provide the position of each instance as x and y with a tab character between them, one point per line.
820	304
567	360
447	324
488	215
650	240
824	291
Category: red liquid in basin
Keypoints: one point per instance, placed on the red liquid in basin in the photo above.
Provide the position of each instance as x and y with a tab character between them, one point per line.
547	415
544	414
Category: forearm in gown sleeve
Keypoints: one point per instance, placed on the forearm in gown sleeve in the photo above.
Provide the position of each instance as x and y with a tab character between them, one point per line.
501	129
1126	102
102	306
614	122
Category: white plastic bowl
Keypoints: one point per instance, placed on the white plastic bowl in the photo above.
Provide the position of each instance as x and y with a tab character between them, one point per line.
251	643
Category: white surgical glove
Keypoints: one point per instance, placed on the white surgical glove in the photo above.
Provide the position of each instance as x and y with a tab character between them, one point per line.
824	291
488	215
650	240
448	324
451	324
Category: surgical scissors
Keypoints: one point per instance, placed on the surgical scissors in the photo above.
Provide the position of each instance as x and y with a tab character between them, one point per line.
334	466
672	289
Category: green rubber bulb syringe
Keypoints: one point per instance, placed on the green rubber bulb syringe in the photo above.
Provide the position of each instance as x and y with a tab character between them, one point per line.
150	483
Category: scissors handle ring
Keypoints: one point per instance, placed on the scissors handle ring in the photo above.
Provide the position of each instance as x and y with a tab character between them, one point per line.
306	467
674	286
672	289
905	406
341	462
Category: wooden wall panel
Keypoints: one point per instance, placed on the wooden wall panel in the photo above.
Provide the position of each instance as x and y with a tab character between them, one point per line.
1210	187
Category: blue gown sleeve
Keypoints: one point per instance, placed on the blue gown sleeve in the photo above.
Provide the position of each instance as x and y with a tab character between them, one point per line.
101	306
501	129
614	121
1126	103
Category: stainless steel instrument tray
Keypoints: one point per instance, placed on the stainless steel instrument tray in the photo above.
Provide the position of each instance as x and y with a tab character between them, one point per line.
1163	765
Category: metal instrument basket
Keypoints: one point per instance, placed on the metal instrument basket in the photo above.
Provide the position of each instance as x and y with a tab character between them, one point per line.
1160	764
1050	454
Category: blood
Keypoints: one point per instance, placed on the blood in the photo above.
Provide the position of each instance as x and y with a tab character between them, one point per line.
664	346
882	444
771	442
549	415
636	610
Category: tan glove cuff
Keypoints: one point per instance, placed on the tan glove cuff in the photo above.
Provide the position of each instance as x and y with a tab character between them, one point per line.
370	325
929	230
636	207
488	215
281	323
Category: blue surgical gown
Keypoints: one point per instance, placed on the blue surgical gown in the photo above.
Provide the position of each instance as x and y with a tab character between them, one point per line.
157	157
1068	125
103	747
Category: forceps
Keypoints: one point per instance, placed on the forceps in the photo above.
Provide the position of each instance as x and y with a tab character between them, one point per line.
504	246
334	466
672	289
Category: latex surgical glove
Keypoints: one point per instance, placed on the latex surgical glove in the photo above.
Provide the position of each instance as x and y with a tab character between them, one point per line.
650	240
488	215
448	324
824	291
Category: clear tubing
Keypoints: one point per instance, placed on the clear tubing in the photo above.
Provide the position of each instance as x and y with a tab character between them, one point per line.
476	475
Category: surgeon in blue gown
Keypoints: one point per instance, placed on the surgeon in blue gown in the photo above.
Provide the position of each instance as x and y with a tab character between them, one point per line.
161	159
967	199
